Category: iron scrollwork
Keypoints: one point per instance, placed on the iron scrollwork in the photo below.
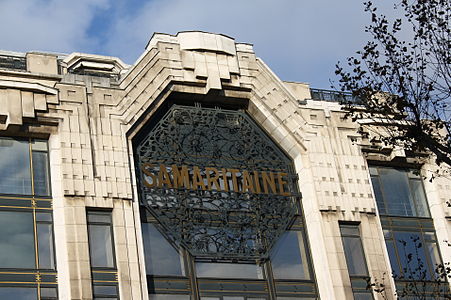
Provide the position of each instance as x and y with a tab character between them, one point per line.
238	216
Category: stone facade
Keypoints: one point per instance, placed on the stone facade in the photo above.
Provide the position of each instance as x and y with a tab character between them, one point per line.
90	121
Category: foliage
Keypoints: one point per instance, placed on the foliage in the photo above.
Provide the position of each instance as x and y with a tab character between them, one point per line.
402	77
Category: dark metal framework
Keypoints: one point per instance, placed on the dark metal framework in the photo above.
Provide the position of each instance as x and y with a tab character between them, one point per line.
42	280
215	223
105	281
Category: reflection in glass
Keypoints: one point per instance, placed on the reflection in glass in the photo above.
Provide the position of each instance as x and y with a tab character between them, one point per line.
393	258
105	290
169	297
15	177
433	254
45	243
378	195
48	292
16	240
355	258
363	296
161	257
101	246
40	173
296	298
288	258
396	192
18	293
407	245
420	198
228	270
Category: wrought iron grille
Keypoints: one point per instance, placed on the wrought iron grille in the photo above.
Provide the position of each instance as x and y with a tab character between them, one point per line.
238	216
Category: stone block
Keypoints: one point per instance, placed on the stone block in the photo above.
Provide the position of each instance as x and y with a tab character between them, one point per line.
43	63
27	104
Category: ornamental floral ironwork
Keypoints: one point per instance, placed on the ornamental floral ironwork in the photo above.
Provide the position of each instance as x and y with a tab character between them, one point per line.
217	184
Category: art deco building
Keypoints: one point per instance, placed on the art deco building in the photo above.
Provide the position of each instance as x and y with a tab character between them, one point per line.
196	173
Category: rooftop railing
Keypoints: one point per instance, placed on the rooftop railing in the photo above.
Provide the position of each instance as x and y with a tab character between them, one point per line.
333	96
13	62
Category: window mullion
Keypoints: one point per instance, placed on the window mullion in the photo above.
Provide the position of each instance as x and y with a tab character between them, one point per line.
267	269
190	268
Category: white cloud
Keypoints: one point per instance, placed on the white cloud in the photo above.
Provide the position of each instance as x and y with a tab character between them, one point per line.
47	25
296	38
300	40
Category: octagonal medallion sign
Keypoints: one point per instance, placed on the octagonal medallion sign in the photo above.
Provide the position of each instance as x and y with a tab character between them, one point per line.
217	184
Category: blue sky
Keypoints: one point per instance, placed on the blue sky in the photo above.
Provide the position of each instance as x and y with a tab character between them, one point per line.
300	40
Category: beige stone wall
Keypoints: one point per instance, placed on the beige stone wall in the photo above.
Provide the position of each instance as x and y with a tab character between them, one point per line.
91	121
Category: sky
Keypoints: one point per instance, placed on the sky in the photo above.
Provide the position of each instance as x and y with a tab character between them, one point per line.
299	40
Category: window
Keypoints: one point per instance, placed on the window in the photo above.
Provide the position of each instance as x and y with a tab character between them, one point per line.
413	253
26	221
16	237
20	162
171	272
161	257
408	229
288	259
355	259
217	196
101	250
399	192
228	270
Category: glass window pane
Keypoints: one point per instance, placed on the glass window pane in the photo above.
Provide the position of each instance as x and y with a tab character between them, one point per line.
363	296
411	254
393	258
15	158
296	298
433	253
99	217
228	270
45	243
169	297
373	171
161	257
350	230
41	173
39	145
49	292
18	293
355	258
43	217
419	197
108	290
16	240
396	192
288	259
378	195
101	246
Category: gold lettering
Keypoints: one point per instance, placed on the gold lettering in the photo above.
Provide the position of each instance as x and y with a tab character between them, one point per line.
248	184
198	180
180	178
269	180
234	181
212	180
163	177
258	190
250	181
282	183
148	173
224	180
